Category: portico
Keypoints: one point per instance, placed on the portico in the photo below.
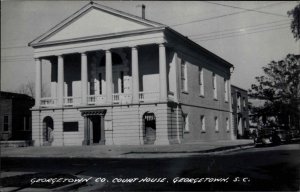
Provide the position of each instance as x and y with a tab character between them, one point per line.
114	92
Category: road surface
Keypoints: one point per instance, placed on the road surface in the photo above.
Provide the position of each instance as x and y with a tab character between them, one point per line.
275	168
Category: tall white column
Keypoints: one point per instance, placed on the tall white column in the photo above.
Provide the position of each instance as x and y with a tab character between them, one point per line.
38	81
162	73
60	79
108	71
84	79
135	75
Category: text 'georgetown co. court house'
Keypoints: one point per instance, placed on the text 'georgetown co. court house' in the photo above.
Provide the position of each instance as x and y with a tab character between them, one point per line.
120	79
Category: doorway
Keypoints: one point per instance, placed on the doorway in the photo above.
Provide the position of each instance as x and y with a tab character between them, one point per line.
48	131
94	127
149	128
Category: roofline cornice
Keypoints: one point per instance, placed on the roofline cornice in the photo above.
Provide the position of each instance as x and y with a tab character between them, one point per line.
86	8
98	37
192	43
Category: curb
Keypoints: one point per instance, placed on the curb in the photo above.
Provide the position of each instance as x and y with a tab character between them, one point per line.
202	151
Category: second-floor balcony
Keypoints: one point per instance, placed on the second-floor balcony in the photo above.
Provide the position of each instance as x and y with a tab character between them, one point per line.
117	98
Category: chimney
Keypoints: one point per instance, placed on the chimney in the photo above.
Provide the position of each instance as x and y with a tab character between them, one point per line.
143	11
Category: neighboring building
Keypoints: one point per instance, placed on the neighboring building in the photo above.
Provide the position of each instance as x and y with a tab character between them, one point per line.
240	111
162	87
15	116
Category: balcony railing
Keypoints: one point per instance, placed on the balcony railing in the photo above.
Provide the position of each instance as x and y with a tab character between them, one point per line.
71	101
148	96
121	98
117	98
48	102
96	99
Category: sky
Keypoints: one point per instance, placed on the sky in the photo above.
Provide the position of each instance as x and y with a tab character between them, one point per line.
248	34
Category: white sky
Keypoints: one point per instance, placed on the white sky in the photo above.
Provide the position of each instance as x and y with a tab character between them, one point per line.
247	39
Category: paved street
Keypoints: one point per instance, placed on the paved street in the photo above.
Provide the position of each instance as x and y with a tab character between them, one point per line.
265	168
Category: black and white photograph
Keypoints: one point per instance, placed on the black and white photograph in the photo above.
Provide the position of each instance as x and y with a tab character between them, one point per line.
149	96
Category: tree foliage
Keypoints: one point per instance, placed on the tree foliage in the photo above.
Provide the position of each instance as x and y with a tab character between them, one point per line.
295	24
28	88
279	88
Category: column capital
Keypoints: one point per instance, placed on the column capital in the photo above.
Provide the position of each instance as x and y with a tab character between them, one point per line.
60	55
37	59
162	44
107	50
83	52
134	47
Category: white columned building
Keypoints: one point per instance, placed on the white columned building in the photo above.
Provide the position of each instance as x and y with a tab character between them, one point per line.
120	81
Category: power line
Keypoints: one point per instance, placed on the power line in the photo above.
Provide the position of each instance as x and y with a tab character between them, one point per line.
232	29
225	15
239	31
209	39
235	7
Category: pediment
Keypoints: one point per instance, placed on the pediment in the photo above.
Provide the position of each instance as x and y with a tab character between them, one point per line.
95	20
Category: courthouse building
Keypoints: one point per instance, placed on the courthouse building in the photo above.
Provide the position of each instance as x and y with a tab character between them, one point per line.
121	79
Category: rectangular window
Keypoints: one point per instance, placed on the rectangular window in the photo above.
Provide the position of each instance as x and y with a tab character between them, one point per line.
216	124
183	76
226	90
227	124
185	123
244	103
100	83
215	85
201	83
5	123
202	119
239	102
122	81
70	126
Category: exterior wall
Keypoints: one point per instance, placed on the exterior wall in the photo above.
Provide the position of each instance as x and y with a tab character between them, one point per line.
196	133
59	116
5	109
17	108
21	119
123	125
241	130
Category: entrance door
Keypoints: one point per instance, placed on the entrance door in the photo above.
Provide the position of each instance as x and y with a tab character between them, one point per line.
96	127
95	130
150	128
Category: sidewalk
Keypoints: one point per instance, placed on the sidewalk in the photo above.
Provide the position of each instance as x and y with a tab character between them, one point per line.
124	151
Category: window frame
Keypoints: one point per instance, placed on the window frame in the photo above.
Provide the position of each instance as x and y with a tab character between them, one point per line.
186	128
215	91
201	81
226	97
183	76
227	124
202	121
216	124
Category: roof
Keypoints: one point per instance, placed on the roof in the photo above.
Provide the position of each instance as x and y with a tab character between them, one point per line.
152	24
89	7
10	95
236	87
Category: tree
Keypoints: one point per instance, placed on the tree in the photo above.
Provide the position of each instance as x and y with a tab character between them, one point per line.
279	88
29	89
295	24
